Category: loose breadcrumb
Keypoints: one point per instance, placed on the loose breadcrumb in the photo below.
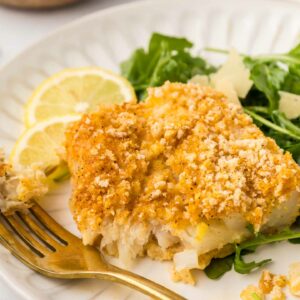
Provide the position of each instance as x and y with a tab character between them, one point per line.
280	280
184	276
277	293
268	281
272	284
252	292
184	156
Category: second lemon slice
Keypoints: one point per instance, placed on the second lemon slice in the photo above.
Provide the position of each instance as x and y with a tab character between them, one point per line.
40	143
76	91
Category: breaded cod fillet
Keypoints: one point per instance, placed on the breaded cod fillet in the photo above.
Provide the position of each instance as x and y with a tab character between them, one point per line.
179	177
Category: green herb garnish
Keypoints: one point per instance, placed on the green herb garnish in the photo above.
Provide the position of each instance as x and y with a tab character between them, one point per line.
219	266
243	267
58	173
272	73
167	58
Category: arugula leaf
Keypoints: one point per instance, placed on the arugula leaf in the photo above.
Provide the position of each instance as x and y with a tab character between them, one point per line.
167	58
295	50
174	43
272	125
295	53
58	173
294	149
288	79
267	78
291	58
297	225
271	73
243	267
251	229
219	266
285	132
275	72
291	83
295	241
280	119
133	69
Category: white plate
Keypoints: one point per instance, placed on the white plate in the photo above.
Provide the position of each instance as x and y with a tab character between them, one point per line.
105	39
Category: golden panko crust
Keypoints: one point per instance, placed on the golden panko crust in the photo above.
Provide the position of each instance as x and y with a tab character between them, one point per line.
184	156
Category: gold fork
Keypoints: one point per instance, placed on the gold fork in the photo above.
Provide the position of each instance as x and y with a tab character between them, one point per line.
43	245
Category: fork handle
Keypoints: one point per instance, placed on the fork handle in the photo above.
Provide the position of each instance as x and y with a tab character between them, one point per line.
146	286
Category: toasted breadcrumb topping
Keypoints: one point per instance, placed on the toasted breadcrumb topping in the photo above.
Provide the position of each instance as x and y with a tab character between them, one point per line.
270	285
269	281
183	156
184	276
252	292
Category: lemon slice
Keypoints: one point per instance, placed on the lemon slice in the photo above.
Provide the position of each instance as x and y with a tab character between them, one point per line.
77	90
40	143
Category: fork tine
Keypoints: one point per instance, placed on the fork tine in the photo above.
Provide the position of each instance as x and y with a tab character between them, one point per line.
25	236
54	228
41	234
8	240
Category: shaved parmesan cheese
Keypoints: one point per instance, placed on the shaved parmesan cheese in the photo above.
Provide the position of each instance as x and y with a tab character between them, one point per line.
202	80
232	79
226	87
187	259
236	72
289	104
223	85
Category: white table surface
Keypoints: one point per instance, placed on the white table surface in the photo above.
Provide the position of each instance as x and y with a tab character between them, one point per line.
19	29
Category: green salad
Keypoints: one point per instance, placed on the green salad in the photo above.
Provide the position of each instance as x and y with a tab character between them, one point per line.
269	92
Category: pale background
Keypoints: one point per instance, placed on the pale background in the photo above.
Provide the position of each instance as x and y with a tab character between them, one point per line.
19	29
